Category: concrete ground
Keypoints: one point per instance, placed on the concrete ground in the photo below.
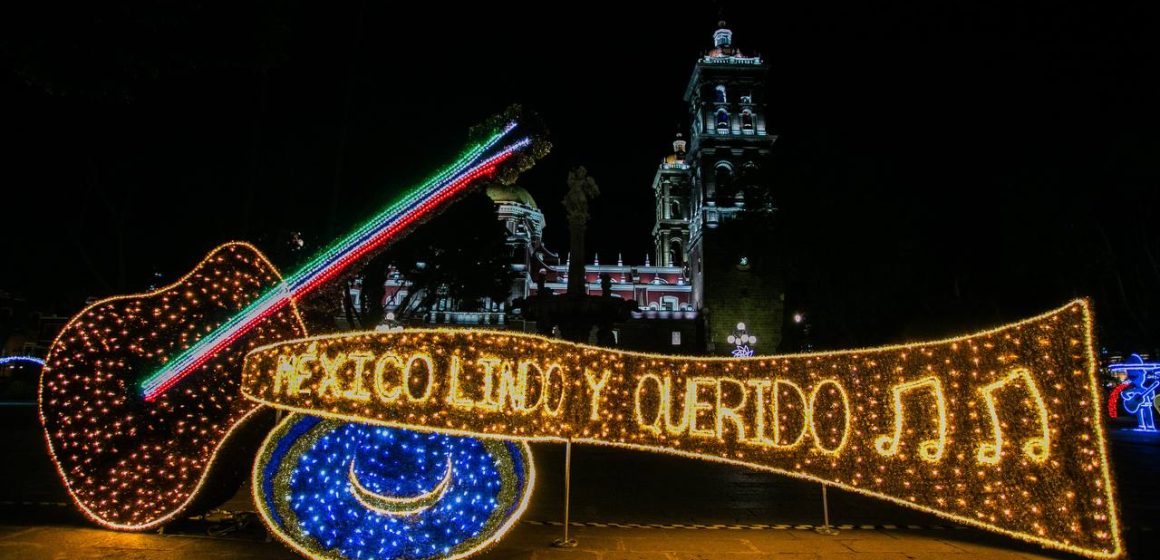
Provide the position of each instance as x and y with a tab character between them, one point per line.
625	505
530	541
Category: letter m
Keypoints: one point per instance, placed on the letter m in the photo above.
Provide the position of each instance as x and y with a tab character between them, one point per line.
287	369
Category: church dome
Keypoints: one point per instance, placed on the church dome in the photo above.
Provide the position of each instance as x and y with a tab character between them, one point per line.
500	194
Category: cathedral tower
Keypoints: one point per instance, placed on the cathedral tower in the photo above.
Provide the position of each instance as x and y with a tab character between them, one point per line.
735	278
671	186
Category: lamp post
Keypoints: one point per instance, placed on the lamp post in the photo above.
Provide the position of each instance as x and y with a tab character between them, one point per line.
799	319
743	342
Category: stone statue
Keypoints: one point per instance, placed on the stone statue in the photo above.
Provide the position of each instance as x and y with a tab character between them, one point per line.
574	314
581	187
541	283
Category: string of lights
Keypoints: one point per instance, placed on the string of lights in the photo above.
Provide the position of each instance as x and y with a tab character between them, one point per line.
5	360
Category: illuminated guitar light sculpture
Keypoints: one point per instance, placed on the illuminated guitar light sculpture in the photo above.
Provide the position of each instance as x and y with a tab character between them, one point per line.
1138	393
139	398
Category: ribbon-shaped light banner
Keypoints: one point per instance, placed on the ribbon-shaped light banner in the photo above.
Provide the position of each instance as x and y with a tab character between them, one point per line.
999	429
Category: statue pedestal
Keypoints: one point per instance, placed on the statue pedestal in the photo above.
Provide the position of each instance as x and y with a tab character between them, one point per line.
576	312
575	315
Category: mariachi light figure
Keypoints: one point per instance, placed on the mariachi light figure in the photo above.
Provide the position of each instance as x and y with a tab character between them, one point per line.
1139	389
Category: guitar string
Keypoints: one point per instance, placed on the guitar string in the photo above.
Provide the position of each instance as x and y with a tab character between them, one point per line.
365	238
262	305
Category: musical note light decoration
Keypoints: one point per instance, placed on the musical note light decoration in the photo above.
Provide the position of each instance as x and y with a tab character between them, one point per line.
1000	429
930	451
340	490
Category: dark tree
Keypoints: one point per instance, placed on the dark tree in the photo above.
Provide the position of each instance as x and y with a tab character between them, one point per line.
460	255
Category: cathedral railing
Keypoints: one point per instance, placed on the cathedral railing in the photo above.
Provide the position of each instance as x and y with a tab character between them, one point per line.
753	60
495	318
663	314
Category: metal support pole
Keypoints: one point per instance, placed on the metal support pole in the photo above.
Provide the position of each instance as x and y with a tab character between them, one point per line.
566	542
277	420
825	529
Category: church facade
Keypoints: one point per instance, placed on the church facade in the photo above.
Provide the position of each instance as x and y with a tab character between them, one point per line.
701	285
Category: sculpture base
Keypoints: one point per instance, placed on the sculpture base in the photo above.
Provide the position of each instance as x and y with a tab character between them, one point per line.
575	315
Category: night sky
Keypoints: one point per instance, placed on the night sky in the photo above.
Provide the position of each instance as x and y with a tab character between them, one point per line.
939	168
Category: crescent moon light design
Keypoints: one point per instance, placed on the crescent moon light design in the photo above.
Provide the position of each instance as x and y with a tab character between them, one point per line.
393	505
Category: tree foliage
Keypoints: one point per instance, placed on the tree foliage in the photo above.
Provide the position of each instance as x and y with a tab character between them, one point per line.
461	256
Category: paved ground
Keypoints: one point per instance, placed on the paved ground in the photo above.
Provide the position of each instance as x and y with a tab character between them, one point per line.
737	514
529	542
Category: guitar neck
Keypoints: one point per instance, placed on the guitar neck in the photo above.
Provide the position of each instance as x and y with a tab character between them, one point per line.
385	226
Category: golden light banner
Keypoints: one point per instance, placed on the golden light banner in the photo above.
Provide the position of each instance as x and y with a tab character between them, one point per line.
999	429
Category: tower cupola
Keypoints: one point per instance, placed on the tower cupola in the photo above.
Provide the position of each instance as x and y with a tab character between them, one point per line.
723	36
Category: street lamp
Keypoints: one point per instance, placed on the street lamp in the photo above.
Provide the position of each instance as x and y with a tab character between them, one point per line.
389	323
799	319
743	341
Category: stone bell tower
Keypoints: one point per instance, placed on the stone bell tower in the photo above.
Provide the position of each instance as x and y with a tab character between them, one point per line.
730	198
671	187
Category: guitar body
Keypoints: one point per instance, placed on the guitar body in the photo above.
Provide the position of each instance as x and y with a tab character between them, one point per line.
1134	399
1131	400
131	464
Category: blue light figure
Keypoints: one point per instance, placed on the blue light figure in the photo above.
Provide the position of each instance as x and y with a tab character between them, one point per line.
1138	397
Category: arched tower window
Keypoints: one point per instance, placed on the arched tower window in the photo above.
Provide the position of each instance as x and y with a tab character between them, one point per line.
723	178
747	120
676	253
719	94
675	209
723	119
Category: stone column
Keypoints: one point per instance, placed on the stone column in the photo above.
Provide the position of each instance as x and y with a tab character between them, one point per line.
576	280
581	187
